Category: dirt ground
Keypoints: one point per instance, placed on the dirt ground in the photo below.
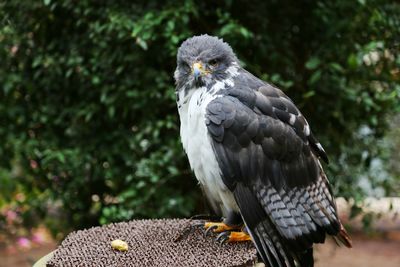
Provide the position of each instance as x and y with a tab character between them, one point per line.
24	258
366	252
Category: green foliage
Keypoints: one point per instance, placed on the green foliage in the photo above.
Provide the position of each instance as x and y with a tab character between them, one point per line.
88	115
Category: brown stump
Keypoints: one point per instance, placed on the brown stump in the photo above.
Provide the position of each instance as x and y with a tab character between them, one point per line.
164	242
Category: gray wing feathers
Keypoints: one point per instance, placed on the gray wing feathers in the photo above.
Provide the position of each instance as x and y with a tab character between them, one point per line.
264	147
299	213
270	242
266	238
273	102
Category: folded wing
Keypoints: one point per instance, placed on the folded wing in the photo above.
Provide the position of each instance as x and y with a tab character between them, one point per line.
270	161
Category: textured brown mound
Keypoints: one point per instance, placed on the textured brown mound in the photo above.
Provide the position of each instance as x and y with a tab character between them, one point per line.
151	243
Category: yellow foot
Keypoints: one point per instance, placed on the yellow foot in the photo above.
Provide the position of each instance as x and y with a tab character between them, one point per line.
233	237
218	227
239	237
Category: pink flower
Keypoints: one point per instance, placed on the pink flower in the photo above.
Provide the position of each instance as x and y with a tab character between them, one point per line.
11	216
38	238
23	242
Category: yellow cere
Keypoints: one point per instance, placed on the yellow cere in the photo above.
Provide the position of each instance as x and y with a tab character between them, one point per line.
119	245
197	65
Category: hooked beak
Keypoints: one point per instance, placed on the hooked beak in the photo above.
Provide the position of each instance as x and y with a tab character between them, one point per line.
197	70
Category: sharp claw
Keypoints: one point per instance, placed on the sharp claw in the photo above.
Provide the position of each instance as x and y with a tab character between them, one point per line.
210	230
221	235
198	225
222	238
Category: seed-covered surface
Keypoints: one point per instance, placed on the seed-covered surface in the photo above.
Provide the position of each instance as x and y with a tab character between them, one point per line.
165	242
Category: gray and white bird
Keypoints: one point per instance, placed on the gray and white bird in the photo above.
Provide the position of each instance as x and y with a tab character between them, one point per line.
254	155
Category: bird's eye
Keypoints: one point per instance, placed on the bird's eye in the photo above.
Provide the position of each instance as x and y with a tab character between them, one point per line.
184	64
213	62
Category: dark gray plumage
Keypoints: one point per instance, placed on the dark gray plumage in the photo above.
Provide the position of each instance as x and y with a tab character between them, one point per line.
267	157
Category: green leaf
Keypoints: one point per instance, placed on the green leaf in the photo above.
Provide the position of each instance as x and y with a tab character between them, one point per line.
315	77
96	80
352	61
337	67
312	63
309	94
362	2
141	43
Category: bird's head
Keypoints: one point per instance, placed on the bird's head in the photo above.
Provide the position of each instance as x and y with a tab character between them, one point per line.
202	60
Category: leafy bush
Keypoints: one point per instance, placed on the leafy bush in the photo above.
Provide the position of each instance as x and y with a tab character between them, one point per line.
90	132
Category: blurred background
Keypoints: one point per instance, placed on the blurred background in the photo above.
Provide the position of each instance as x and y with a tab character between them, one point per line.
89	132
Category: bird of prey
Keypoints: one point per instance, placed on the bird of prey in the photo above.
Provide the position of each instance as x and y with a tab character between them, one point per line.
254	155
